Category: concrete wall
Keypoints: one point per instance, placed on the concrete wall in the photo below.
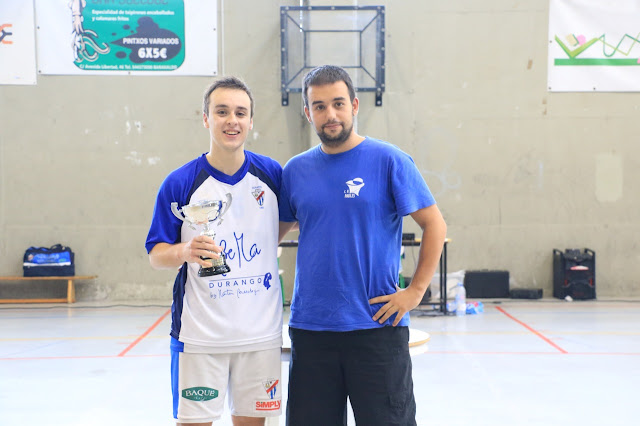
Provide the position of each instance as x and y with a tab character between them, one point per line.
517	171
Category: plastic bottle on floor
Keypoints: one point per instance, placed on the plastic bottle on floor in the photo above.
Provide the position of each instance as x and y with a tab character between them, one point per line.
461	300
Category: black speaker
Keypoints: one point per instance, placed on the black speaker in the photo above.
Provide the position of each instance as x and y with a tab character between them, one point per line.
526	293
487	284
574	274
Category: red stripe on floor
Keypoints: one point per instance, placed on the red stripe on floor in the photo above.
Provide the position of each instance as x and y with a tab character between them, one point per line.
54	358
537	333
145	334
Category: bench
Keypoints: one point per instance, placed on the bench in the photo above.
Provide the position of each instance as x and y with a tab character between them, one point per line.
71	292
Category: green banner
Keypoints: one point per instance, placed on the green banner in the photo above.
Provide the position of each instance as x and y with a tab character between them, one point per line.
130	35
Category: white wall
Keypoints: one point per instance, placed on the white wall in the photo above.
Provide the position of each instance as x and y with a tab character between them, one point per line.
517	171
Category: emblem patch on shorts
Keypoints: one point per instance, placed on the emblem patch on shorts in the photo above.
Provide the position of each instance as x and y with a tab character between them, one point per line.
270	387
199	393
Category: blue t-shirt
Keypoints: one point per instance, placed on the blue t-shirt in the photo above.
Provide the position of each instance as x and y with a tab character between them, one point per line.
350	208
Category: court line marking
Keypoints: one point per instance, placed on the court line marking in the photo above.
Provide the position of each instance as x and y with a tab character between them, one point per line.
71	338
426	352
532	353
55	358
143	335
537	333
432	333
526	333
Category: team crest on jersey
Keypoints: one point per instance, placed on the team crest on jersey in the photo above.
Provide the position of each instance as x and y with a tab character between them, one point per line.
354	187
270	387
258	194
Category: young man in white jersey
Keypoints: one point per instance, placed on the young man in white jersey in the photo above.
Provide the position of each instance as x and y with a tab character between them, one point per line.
349	320
226	331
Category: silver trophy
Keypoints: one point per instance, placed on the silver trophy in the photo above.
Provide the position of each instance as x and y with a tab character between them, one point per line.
205	213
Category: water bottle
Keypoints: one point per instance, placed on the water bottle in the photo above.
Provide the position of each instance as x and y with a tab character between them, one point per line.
461	300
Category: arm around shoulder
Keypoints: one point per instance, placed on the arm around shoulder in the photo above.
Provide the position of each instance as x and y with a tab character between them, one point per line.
286	227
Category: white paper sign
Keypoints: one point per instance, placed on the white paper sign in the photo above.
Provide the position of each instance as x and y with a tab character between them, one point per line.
17	43
594	45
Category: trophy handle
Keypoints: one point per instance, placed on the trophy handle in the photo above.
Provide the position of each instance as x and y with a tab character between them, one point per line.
226	207
228	204
176	211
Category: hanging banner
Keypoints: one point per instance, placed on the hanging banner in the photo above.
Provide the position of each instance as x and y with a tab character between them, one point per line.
131	37
594	46
17	43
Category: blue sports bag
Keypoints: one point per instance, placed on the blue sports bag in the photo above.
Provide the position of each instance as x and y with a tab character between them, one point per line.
57	261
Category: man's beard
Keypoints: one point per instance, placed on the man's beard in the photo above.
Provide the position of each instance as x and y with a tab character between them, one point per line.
335	141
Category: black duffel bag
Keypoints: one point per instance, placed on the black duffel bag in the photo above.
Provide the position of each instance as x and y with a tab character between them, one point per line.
57	261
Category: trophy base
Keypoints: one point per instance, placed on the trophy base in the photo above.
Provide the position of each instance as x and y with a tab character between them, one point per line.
215	270
219	267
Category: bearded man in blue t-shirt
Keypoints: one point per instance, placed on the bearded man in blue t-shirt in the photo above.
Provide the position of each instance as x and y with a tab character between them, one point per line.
349	319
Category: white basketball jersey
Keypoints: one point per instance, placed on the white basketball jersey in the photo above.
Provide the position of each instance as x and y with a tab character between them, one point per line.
242	309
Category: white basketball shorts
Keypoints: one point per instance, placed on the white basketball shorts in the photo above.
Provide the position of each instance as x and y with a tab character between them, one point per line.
200	383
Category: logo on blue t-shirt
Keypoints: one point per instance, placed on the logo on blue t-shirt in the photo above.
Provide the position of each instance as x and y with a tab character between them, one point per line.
355	185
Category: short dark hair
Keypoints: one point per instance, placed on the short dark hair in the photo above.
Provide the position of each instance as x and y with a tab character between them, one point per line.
226	83
326	74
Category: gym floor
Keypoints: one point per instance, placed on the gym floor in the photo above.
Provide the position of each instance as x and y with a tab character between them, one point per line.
543	362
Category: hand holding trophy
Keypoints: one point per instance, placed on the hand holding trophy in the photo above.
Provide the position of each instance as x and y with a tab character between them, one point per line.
206	212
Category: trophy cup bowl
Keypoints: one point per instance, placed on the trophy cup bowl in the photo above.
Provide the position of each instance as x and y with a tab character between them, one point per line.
206	212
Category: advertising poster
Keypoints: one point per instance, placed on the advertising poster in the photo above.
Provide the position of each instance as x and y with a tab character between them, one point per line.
594	46
147	37
17	43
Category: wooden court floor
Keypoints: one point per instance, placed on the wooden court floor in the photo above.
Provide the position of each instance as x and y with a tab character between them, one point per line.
545	362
